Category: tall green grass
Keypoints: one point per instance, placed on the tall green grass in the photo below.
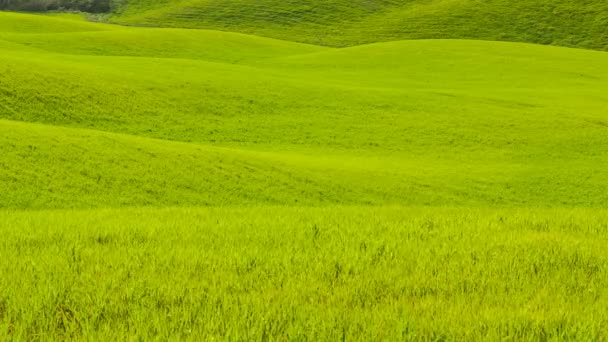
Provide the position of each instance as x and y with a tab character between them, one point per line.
304	273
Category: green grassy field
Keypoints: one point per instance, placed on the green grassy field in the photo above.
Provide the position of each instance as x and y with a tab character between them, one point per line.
171	183
347	23
304	274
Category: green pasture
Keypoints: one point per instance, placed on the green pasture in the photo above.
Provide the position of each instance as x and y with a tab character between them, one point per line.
276	273
198	184
347	23
430	122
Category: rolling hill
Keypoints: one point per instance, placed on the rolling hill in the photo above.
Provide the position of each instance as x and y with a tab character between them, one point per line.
185	184
347	23
414	122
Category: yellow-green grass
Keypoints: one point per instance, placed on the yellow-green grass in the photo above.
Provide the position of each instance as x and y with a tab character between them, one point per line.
163	43
352	22
196	185
414	122
28	23
47	167
354	273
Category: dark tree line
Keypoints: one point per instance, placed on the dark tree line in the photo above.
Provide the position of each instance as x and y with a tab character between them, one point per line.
93	6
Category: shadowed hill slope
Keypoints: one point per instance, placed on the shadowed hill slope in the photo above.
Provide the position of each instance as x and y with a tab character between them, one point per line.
346	23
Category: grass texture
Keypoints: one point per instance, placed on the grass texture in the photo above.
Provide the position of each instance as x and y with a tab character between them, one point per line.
276	273
347	23
405	123
185	184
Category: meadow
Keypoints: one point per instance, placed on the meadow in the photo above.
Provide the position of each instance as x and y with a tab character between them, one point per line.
277	273
341	23
186	184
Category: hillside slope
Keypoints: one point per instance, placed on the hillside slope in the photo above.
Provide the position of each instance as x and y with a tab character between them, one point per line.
347	23
28	23
232	119
184	184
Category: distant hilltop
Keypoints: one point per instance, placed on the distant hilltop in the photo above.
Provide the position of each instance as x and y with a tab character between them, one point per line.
338	23
341	23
